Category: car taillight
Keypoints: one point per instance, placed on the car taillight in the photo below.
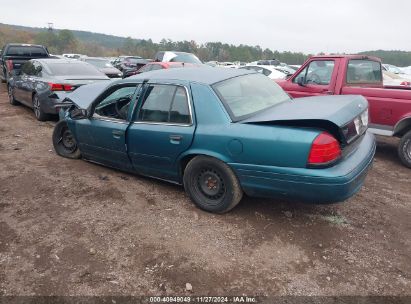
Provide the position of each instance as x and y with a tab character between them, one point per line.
324	150
406	83
9	64
60	87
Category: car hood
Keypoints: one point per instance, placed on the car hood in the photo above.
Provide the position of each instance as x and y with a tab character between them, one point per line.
339	110
84	96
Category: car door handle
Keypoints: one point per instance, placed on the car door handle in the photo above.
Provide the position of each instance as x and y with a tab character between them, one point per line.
117	133
175	139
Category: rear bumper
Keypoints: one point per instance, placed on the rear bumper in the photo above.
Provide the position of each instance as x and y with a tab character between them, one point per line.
329	185
48	104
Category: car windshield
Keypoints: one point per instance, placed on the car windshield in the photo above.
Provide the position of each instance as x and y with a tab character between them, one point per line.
187	58
72	68
30	51
244	96
99	63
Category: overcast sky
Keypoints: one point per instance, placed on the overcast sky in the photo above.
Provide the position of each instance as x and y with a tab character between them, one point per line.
309	26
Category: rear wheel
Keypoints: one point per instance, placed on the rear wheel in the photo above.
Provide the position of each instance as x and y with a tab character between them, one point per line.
64	142
211	184
404	149
38	111
12	101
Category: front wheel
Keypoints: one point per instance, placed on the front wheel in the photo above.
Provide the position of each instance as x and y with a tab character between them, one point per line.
64	142
404	149
211	184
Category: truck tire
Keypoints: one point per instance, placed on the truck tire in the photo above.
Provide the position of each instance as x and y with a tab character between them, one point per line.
211	184
404	149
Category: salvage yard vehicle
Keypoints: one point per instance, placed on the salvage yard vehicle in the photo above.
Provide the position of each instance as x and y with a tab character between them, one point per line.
38	79
14	55
173	56
104	66
153	66
267	70
220	132
390	107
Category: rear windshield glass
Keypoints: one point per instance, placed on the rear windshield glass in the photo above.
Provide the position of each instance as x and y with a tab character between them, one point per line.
71	69
247	95
100	63
364	71
27	51
188	58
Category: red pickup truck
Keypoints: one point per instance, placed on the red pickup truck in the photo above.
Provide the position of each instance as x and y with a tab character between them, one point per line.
389	107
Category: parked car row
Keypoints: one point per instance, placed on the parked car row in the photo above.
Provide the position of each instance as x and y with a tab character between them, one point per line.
222	132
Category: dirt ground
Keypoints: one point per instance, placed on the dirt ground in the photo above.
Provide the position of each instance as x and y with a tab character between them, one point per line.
69	227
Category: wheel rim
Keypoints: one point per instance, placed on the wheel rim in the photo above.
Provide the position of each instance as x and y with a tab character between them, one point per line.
67	140
210	184
36	106
408	149
11	98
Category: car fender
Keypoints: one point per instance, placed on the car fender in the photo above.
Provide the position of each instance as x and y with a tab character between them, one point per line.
403	125
186	156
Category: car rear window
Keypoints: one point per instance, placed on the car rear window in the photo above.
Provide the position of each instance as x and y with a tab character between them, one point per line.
187	58
363	71
27	51
247	95
71	69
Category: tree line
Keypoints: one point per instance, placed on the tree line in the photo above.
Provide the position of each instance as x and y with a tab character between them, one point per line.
64	41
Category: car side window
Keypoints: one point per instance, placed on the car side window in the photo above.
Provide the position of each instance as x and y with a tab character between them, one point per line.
318	72
165	104
363	71
116	103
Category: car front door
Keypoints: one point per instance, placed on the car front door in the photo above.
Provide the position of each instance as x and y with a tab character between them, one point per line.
102	137
162	128
317	78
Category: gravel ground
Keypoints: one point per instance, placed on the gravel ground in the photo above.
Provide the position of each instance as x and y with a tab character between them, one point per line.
69	227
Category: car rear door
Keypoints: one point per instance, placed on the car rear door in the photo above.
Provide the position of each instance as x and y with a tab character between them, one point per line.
317	78
162	128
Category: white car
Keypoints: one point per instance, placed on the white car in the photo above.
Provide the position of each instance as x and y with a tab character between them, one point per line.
268	70
391	79
396	70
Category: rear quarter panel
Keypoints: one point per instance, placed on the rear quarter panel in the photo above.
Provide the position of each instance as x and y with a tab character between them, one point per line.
218	137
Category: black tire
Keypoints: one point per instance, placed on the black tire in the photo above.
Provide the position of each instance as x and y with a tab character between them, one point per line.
38	111
404	149
211	184
12	101
64	142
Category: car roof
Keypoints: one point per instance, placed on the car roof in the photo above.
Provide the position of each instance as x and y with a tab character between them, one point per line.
205	75
59	60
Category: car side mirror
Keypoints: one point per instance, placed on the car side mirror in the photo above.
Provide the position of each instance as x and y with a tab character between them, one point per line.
301	82
77	114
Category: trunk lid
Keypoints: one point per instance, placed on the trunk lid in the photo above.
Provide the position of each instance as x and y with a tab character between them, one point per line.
343	116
